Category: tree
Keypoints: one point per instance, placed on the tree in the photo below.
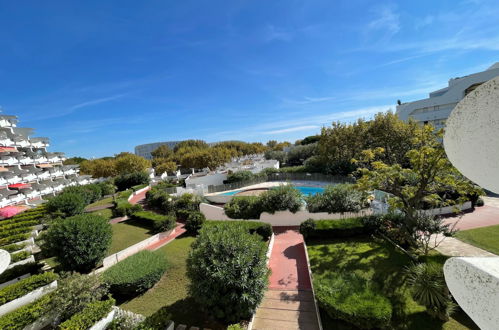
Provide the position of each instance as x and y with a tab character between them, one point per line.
280	156
299	154
162	165
310	139
80	242
99	168
227	271
199	144
74	161
427	182
162	152
130	163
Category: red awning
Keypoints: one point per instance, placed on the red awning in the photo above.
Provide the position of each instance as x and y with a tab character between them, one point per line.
7	149
19	185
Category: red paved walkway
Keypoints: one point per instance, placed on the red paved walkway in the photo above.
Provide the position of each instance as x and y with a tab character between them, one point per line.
288	261
140	196
178	231
481	217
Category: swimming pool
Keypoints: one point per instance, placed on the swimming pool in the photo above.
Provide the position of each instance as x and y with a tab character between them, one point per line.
305	190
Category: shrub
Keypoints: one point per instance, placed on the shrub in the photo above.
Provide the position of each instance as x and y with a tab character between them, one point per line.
125	208
337	198
244	207
263	229
13	247
160	199
80	242
25	315
225	264
107	188
339	228
182	215
480	202
19	224
135	274
236	326
89	316
126	181
19	256
74	292
19	270
187	202
240	176
353	299
25	286
14	238
90	192
194	222
282	198
159	223
15	231
307	227
67	204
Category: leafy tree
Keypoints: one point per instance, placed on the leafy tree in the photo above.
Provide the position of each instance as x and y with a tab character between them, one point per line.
99	168
299	154
162	152
280	156
228	272
79	243
162	165
74	161
199	144
240	176
310	139
429	175
129	180
130	163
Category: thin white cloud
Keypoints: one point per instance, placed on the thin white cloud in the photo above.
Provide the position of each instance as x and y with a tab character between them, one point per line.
273	33
95	102
387	22
292	129
309	100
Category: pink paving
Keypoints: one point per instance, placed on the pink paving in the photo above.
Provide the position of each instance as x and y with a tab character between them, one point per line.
288	261
179	230
140	196
481	217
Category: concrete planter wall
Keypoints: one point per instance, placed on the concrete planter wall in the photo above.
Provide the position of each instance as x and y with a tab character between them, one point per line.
104	322
281	218
131	250
31	258
17	279
27	299
138	192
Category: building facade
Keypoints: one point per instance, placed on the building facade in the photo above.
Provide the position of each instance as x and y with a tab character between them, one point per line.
27	170
437	107
144	150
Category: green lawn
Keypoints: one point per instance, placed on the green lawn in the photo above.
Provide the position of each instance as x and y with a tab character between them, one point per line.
486	238
126	234
106	213
381	263
169	296
103	201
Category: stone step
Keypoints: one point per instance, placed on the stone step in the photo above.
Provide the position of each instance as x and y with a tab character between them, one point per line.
290	295
286	315
307	306
264	324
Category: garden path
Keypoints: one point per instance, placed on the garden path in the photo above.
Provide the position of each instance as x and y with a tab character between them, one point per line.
453	247
179	230
289	302
138	197
482	216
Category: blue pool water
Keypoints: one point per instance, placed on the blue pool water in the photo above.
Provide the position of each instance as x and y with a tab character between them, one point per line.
307	191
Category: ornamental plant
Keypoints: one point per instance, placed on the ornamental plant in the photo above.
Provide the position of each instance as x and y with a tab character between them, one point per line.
79	243
281	198
337	198
225	264
194	222
67	204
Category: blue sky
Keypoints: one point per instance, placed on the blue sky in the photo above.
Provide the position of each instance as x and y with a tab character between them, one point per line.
99	77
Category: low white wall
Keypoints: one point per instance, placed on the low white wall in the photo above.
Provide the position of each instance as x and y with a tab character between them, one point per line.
219	199
103	323
17	279
27	299
131	250
382	208
280	218
138	192
31	258
214	179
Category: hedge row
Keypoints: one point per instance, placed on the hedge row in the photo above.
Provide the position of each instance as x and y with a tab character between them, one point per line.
15	231
88	316
135	274
25	286
20	224
123	208
21	220
14	239
337	198
14	247
24	316
19	270
336	228
353	299
261	228
19	256
159	223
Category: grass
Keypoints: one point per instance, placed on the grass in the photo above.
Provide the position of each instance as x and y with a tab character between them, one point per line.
106	213
485	238
381	263
169	297
103	201
126	234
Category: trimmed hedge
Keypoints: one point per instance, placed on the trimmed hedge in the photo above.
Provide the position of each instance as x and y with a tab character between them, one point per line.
124	208
14	238
243	207
19	270
13	247
19	224
260	228
159	223
136	274
194	222
15	231
25	286
19	256
339	228
353	299
25	315
337	198
90	315
126	181
67	204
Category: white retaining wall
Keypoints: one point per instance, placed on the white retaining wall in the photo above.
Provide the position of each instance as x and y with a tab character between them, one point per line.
17	279
131	250
104	322
280	218
138	192
27	299
31	258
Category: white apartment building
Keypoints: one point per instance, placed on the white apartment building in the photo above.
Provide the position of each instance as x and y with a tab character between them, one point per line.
437	107
27	170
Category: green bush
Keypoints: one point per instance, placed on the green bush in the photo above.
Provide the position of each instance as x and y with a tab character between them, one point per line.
67	204
194	222
80	242
19	256
281	198
353	299
107	188
123	208
160	200
159	223
25	315
182	215
337	198
263	229
135	274
13	247
480	202
15	231
19	270
236	326
14	238
89	316
225	264
25	286
307	228
244	207
242	176
187	202
20	224
126	181
90	192
340	228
